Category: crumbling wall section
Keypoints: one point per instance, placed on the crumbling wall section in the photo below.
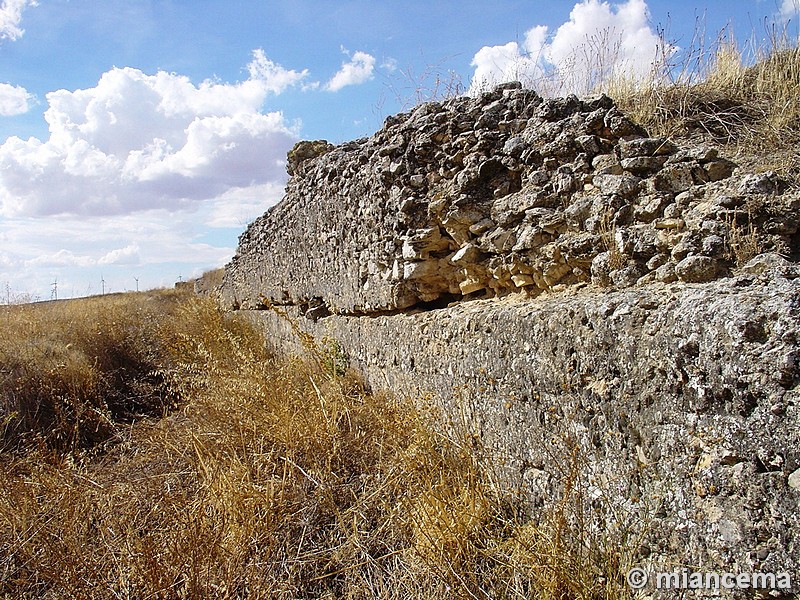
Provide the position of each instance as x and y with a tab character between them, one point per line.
504	193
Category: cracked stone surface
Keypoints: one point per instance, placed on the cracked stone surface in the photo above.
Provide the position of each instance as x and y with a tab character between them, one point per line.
681	399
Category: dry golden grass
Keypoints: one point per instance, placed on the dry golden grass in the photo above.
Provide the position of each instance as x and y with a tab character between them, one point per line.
71	372
751	106
262	479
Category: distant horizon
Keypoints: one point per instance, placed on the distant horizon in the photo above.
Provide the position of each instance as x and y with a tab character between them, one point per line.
21	299
145	155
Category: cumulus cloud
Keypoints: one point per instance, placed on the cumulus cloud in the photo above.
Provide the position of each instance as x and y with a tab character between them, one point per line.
599	41
137	141
357	70
14	100
271	76
60	258
152	245
790	9
10	17
511	62
129	255
238	207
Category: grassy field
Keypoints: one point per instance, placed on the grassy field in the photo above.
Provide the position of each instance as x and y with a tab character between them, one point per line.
152	449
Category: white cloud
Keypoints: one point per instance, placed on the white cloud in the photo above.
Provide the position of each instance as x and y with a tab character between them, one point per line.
129	255
790	9
8	261
14	100
10	17
238	207
390	65
60	258
272	76
510	62
358	70
136	141
599	41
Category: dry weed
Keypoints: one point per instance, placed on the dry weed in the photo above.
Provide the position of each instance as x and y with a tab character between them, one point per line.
743	242
70	372
751	105
275	479
607	229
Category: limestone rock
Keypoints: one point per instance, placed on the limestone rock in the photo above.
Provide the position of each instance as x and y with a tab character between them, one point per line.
794	480
371	225
767	261
696	269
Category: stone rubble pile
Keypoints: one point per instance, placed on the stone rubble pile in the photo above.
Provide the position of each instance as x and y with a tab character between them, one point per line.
506	192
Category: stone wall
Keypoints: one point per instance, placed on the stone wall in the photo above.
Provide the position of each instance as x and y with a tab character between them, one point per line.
503	193
551	277
682	399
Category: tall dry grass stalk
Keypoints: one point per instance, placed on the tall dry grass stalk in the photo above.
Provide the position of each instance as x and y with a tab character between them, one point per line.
748	101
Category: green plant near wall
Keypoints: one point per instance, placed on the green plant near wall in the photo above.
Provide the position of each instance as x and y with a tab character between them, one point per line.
335	360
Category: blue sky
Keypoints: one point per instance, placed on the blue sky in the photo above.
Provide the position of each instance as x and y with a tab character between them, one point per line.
139	137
